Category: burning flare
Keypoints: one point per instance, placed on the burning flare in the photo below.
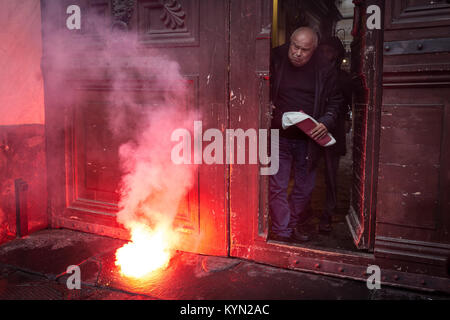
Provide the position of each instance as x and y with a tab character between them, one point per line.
149	250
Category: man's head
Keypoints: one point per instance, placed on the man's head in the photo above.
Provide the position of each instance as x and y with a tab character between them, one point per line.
304	41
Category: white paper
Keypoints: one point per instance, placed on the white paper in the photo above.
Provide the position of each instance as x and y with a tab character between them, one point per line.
292	118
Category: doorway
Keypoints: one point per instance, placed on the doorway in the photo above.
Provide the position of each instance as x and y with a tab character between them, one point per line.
329	20
249	216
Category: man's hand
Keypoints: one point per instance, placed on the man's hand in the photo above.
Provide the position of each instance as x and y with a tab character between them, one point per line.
319	132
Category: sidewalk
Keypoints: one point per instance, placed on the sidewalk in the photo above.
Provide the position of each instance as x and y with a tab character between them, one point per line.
34	268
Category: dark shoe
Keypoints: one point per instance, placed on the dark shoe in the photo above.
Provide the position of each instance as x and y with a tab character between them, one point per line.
325	228
300	236
276	237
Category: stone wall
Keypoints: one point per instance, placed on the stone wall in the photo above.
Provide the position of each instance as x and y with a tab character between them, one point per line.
22	137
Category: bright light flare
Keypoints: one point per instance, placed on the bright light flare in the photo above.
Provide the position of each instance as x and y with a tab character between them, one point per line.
149	250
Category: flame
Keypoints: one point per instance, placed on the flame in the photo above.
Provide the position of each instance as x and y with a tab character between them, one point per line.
148	251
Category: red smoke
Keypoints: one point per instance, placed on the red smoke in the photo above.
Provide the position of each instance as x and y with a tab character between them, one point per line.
152	186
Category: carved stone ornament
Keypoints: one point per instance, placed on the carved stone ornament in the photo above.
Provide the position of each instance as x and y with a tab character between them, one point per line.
173	15
122	11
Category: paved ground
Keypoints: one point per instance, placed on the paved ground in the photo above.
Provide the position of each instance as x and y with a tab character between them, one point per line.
34	268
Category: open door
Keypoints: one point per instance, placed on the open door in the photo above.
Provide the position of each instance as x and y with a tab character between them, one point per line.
366	70
82	153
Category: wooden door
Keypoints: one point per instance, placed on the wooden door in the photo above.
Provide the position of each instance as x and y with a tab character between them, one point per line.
413	221
82	152
249	109
366	70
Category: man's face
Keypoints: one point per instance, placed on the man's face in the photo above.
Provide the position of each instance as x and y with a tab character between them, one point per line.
301	49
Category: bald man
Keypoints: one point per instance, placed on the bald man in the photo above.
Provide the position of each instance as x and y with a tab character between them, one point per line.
301	79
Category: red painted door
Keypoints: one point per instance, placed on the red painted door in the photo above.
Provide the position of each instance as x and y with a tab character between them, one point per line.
367	62
250	57
84	169
413	221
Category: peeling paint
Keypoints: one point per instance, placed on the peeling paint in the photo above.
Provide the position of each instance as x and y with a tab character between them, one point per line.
396	165
232	96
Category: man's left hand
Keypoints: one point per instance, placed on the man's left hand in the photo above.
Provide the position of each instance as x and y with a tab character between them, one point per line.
319	132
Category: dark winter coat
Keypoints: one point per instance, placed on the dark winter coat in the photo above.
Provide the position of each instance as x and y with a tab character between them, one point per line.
328	97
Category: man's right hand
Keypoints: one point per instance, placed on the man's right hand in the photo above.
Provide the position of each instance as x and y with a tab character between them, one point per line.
319	132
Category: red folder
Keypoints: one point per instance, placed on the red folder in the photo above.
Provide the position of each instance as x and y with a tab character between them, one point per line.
306	123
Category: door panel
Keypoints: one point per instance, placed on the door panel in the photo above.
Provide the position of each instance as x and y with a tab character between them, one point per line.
417	13
366	72
250	37
413	201
85	175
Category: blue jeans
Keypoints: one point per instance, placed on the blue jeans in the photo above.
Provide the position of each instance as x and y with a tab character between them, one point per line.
284	212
